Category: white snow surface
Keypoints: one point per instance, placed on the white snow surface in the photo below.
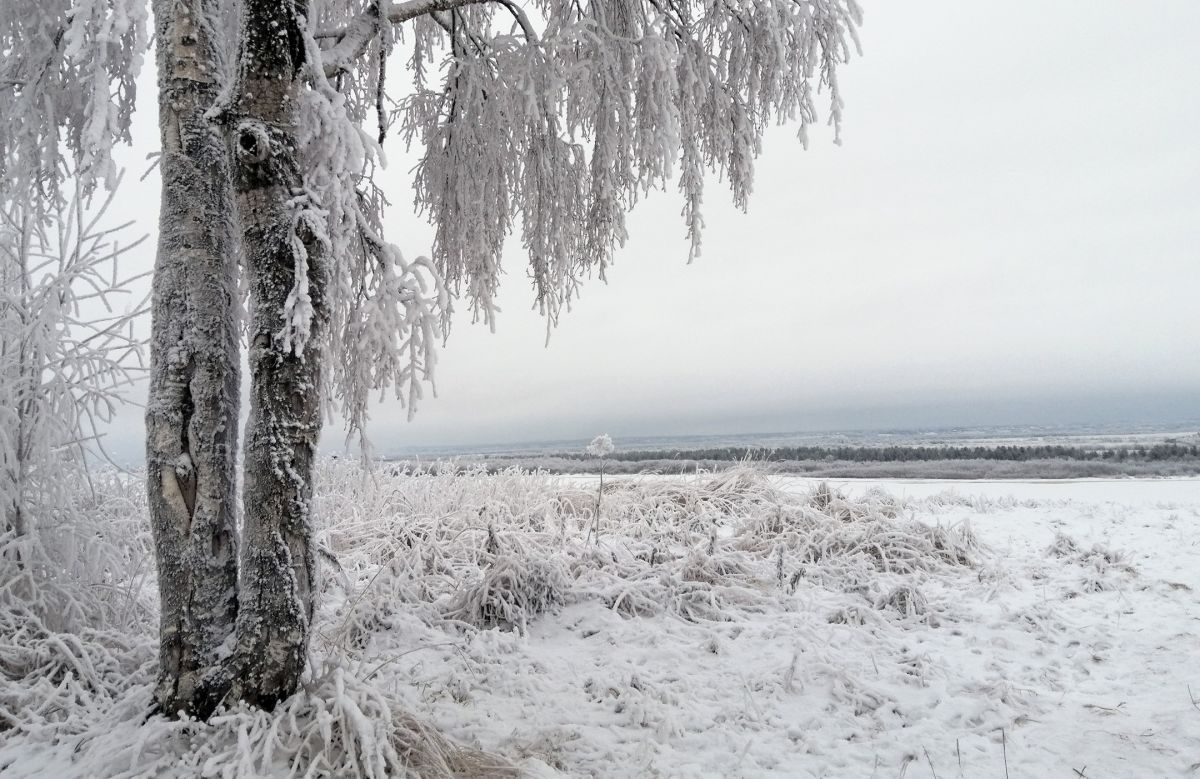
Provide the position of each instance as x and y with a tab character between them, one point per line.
1125	491
729	625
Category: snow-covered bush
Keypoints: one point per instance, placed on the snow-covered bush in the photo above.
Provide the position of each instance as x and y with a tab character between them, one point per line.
906	599
857	540
496	549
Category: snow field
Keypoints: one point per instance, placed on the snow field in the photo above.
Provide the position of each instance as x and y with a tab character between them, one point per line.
720	625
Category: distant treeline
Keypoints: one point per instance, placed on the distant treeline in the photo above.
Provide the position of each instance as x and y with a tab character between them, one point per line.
1164	452
831	469
1022	461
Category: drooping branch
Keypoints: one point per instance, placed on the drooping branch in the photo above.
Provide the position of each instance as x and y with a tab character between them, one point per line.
388	312
616	99
67	77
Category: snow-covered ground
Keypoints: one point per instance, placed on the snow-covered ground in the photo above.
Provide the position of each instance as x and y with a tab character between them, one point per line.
1128	492
728	626
1039	660
1125	491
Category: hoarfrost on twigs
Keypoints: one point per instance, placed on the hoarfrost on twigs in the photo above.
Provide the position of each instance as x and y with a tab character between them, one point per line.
601	446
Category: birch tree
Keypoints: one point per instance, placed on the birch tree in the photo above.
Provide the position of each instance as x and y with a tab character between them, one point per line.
546	119
192	408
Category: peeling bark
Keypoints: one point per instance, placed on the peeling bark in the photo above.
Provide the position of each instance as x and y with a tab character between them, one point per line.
192	410
276	599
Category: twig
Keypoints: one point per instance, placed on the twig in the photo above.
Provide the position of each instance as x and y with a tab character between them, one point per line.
929	760
1004	749
388	661
1107	709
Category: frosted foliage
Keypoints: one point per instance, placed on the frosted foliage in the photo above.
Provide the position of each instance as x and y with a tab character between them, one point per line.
549	119
67	78
601	446
388	312
564	130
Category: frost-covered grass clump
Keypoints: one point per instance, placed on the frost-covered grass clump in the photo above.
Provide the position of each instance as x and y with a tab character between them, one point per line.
493	550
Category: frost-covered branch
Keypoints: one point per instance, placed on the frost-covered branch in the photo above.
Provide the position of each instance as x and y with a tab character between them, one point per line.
356	36
545	118
403	12
559	135
388	313
67	350
352	42
67	84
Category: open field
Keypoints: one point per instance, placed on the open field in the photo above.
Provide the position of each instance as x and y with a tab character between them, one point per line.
727	625
966	454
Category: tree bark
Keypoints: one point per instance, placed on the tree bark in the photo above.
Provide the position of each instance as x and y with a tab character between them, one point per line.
192	410
276	600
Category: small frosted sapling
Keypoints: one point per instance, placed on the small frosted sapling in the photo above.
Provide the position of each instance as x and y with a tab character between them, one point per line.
601	446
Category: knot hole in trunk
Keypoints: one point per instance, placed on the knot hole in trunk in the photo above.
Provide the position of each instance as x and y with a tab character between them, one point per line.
253	143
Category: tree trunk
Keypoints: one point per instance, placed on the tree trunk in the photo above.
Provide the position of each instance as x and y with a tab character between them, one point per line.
276	601
23	395
192	410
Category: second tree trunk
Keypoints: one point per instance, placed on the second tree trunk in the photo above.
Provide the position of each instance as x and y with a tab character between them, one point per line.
275	604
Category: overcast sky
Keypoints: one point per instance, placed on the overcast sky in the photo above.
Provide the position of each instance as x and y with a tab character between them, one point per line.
1009	233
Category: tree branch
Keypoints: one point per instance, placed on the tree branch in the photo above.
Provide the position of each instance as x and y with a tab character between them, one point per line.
523	20
352	42
401	13
411	9
355	37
